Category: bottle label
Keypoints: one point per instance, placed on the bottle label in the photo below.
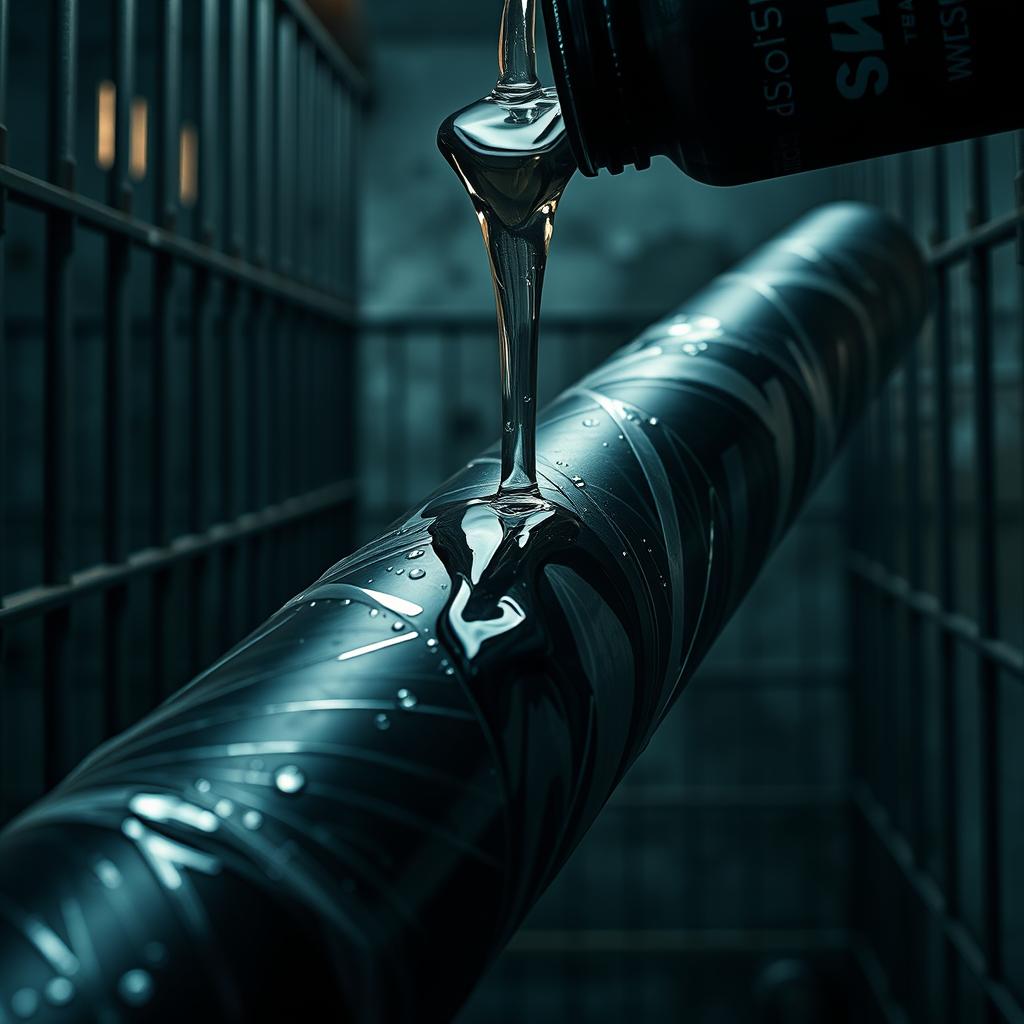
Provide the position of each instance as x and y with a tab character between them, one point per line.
829	81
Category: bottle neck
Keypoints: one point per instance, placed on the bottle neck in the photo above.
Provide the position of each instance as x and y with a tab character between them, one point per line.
616	115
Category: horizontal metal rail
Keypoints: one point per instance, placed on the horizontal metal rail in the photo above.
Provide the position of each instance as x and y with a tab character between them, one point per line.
46	197
40	600
928	606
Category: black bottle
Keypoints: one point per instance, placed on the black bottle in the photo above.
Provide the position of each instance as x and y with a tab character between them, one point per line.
742	90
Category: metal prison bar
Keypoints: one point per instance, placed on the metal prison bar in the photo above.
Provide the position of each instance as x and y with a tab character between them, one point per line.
939	610
359	804
250	315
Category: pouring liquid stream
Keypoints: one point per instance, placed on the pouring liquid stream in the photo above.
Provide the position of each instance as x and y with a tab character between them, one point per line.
511	152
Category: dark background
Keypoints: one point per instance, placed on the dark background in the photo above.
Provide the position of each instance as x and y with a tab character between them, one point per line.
830	826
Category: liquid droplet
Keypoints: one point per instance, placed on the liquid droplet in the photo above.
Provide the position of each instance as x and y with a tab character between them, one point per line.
527	399
135	987
432	644
312	604
25	1002
449	671
382	722
398	627
252	820
289	779
374	613
203	785
346	602
591	422
508	427
579	482
413	555
407	699
604	444
400	572
223	808
653	421
390	568
417	574
59	991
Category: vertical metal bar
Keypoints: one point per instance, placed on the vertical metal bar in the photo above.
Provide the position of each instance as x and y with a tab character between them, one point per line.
947	574
233	451
117	355
209	121
263	124
257	367
336	184
353	220
987	582
5	783
57	374
282	423
307	70
287	150
915	700
201	336
238	92
165	180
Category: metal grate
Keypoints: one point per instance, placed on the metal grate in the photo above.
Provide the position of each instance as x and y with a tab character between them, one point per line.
938	624
176	344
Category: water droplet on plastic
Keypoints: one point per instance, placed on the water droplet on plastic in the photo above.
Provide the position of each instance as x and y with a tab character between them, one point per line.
59	991
413	555
508	427
25	1002
527	399
135	987
382	722
604	444
417	574
370	580
203	785
397	627
346	602
312	604
622	437
449	671
407	699
223	808
653	421
591	422
432	644
579	482
289	779
625	554
374	613
252	820
399	572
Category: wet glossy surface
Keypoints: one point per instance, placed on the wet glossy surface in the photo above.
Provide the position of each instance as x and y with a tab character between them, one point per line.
357	806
